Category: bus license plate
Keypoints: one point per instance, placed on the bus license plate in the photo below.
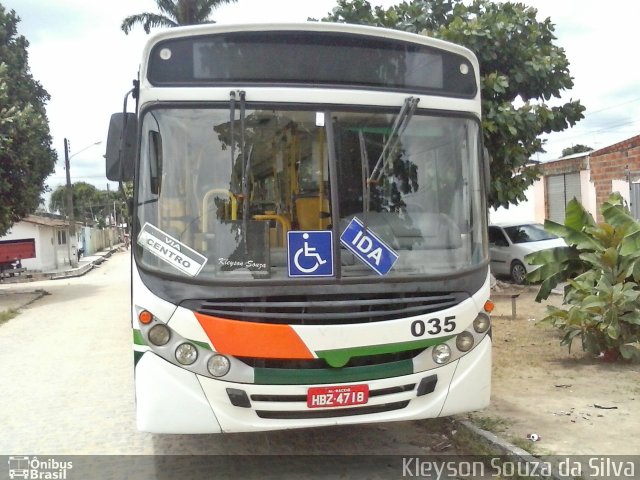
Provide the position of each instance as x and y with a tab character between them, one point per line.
342	396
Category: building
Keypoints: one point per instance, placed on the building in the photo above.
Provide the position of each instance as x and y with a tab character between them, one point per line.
52	242
589	177
51	236
563	180
616	168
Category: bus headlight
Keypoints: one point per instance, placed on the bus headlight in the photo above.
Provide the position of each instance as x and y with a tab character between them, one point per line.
159	335
186	353
441	353
218	365
482	323
464	341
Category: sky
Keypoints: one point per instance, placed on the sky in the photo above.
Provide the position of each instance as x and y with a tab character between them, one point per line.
86	63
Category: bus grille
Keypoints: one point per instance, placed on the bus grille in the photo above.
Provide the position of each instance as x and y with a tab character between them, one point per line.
303	398
339	412
326	309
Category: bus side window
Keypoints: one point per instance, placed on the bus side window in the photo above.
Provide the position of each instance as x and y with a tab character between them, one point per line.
155	161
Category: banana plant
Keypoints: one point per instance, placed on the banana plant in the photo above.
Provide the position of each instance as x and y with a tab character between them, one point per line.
601	268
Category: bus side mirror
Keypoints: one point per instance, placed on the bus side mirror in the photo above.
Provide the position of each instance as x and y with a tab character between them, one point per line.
121	147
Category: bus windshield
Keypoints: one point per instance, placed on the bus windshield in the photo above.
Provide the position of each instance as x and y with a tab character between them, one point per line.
223	187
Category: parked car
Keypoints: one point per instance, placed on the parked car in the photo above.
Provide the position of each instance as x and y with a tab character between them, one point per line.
509	243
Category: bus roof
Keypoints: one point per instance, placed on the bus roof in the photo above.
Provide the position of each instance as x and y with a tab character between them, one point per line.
290	53
365	30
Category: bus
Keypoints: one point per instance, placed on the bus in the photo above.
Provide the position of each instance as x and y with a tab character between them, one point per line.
309	233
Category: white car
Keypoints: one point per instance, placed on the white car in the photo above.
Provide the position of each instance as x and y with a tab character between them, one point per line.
509	243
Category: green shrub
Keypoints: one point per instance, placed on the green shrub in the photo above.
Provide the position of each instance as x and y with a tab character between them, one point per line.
601	266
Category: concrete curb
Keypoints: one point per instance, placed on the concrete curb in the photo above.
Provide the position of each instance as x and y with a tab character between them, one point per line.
100	257
502	447
75	272
80	271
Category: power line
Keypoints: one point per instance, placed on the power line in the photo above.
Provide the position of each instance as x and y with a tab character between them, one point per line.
612	107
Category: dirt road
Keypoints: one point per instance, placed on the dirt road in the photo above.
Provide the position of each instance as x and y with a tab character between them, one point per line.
577	404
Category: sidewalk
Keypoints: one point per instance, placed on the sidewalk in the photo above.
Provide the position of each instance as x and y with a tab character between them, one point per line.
85	264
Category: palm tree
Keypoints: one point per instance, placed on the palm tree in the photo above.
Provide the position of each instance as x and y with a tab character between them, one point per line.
174	13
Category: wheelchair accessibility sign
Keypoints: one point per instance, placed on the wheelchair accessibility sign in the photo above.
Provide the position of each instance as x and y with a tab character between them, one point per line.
310	254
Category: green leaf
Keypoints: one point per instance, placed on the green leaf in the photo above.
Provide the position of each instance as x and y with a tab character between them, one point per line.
630	350
572	236
548	285
593	301
630	244
632	318
610	257
576	217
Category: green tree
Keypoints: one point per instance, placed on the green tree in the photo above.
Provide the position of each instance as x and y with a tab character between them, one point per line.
174	13
89	203
520	71
26	156
579	148
85	196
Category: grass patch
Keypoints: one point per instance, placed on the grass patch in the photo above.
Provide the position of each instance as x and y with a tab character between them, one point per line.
467	443
7	315
491	424
522	443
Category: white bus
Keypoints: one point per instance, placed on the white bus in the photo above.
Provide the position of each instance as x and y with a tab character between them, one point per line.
309	228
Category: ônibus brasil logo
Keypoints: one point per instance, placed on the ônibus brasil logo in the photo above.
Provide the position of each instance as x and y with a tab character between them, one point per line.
38	469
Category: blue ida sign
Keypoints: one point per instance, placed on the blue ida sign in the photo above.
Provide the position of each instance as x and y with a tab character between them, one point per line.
368	247
310	254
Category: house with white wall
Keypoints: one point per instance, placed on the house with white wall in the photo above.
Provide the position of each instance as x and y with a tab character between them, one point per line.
51	236
52	242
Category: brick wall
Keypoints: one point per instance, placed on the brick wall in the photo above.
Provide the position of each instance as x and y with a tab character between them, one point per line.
610	163
569	165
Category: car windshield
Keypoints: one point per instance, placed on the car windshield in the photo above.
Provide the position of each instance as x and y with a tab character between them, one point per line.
227	193
528	233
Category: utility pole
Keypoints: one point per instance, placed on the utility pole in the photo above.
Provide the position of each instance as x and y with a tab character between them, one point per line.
73	259
109	230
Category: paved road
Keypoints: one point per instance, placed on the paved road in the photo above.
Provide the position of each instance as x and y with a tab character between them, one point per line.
67	386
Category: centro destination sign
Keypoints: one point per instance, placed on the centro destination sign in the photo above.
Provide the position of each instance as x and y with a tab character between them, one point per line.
170	250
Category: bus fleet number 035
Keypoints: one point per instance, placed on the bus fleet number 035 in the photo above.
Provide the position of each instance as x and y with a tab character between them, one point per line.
433	326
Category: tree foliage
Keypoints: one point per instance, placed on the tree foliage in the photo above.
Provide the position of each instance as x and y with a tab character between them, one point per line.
174	13
579	148
90	204
520	68
26	156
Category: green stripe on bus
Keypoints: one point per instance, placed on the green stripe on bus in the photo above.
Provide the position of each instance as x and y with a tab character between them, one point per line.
138	339
136	357
204	345
339	358
286	376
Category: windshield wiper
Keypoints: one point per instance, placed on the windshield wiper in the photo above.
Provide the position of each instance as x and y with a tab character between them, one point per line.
245	160
232	121
366	187
400	124
245	163
245	199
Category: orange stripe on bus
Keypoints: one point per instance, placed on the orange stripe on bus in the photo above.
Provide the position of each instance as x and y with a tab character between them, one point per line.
249	339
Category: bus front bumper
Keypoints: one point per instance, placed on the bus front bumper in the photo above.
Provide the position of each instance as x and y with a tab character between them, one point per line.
170	399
